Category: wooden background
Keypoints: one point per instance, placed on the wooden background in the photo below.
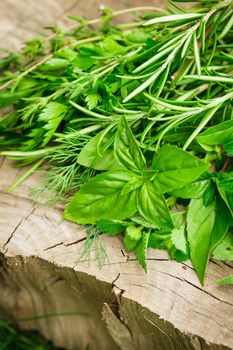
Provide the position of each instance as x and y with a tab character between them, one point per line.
167	309
23	19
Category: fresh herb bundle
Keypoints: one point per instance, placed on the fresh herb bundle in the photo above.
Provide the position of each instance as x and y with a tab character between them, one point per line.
137	119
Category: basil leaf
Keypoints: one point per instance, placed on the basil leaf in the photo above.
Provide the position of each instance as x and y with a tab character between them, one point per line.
179	240
111	227
224	250
225	281
192	190
220	134
138	219
179	251
153	207
127	152
90	158
226	182
141	250
178	218
229	148
132	185
209	193
222	222
224	196
101	198
200	223
132	236
176	168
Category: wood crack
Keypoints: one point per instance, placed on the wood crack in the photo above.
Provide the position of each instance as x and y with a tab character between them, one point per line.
195	286
16	228
65	244
208	293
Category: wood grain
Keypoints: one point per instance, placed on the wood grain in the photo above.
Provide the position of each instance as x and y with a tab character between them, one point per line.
23	19
168	302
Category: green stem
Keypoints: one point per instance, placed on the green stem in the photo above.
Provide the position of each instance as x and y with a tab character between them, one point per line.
25	175
27	154
202	124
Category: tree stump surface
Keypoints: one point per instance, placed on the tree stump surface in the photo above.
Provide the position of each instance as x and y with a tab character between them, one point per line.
116	306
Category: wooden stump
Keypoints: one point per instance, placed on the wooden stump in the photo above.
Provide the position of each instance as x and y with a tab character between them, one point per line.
123	307
117	306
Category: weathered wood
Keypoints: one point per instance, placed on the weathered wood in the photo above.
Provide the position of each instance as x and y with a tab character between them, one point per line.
163	309
124	308
22	19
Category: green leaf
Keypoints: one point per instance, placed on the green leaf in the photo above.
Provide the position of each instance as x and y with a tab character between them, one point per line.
132	236
127	152
209	193
83	61
54	64
132	185
102	160
229	148
179	240
101	198
226	184
92	100
225	281
224	250
25	88
196	53
111	227
178	218
207	78
141	250
111	46
223	220
138	219
225	197
153	207
52	116
178	236
220	134
192	190
176	168
8	98
200	223
138	36
171	18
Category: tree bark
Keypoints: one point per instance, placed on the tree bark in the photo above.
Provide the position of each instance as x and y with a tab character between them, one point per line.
77	303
